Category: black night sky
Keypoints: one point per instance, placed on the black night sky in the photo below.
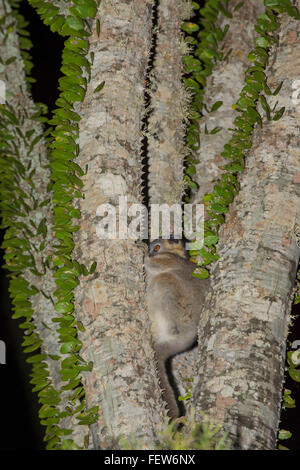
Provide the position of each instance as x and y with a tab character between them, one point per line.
20	427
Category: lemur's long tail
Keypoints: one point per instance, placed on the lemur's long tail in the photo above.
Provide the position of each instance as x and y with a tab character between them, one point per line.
167	391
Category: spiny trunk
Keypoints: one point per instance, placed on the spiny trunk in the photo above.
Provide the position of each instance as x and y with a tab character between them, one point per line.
245	322
33	184
110	304
168	105
224	84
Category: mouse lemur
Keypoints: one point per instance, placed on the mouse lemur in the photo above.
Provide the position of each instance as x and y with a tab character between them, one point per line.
174	299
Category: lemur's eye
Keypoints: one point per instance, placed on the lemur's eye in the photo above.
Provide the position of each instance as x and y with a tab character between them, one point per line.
156	248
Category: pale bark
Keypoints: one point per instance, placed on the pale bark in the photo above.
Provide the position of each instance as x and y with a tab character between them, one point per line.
245	321
168	106
224	84
110	303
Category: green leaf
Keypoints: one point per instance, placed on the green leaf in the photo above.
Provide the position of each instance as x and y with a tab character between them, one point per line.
254	115
72	96
80	326
259	76
67	114
224	193
192	84
294	358
71	70
215	130
216	106
265	106
67	374
36	358
67	284
69	444
84	270
219	208
258	52
71	57
74	22
68	346
64	307
189	27
284	434
272	3
68	82
201	273
99	87
191	64
33	347
57	23
86	8
288	401
262	41
10	116
234	167
71	384
279	113
46	412
10	60
210	240
294	374
191	170
224	11
93	267
42	228
238	6
277	89
245	101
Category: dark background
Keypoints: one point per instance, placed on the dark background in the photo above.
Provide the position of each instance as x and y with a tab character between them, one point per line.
19	407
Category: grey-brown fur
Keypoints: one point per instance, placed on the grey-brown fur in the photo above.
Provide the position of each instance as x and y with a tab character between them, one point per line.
174	299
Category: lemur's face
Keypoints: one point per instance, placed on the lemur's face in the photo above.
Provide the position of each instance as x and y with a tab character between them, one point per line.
166	246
